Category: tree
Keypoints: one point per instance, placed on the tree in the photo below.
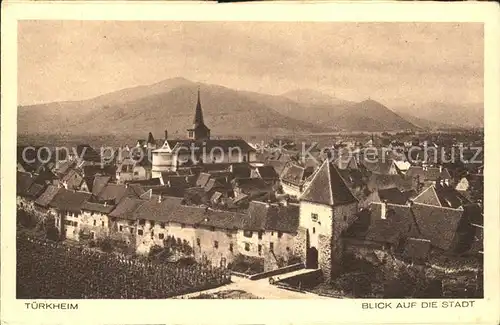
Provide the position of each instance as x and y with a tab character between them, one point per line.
52	233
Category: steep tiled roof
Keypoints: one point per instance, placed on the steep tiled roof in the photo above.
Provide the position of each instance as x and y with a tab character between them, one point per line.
126	207
272	217
392	195
46	197
267	172
35	190
249	185
67	200
439	225
328	187
428	174
346	162
116	192
474	214
97	207
378	167
62	168
294	174
24	182
203	179
151	181
73	179
428	196
99	183
224	144
397	224
380	182
444	196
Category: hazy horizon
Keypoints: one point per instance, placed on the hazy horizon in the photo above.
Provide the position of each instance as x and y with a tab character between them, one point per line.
394	63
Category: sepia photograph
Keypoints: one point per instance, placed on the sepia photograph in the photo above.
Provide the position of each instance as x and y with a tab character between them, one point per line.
221	159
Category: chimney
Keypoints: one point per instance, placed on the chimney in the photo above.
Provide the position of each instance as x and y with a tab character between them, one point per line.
105	203
186	179
126	185
168	183
159	198
447	182
440	168
166	134
441	182
383	210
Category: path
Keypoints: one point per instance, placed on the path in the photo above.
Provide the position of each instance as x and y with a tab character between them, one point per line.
260	288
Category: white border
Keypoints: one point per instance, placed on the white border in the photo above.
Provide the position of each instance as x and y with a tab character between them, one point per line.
240	311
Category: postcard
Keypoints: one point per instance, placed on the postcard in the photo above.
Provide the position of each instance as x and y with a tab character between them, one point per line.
288	163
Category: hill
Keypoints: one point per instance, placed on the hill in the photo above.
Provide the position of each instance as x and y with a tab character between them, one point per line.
452	115
166	105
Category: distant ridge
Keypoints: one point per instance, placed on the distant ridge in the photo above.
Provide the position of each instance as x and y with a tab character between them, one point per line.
170	104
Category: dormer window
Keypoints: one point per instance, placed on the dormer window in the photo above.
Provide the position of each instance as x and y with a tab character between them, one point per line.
314	217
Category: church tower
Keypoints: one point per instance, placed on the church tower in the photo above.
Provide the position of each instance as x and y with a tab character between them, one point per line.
199	131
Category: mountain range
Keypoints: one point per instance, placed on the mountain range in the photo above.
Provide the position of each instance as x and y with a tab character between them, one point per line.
170	104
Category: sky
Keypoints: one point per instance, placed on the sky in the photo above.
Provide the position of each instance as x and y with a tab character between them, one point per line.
395	63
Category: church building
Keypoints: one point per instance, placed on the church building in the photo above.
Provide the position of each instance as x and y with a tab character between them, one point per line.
199	149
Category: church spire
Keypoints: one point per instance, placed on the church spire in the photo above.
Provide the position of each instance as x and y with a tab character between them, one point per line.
199	131
198	116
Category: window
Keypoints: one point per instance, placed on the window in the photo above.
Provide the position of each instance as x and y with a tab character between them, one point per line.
231	247
216	244
212	228
314	217
161	236
102	223
140	232
247	247
198	241
136	173
345	218
162	225
92	234
121	228
95	222
244	158
75	224
131	230
288	249
272	233
260	234
271	247
142	222
259	248
152	223
280	234
314	230
247	233
190	134
182	225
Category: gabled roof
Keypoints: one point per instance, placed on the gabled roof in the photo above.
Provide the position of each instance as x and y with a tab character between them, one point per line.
328	187
99	183
267	172
97	207
442	196
126	207
272	217
295	174
392	195
346	162
428	196
203	179
116	192
439	225
428	173
208	145
371	225
24	182
380	182
47	196
68	200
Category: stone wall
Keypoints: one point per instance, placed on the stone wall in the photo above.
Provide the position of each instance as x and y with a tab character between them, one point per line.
300	244
325	256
